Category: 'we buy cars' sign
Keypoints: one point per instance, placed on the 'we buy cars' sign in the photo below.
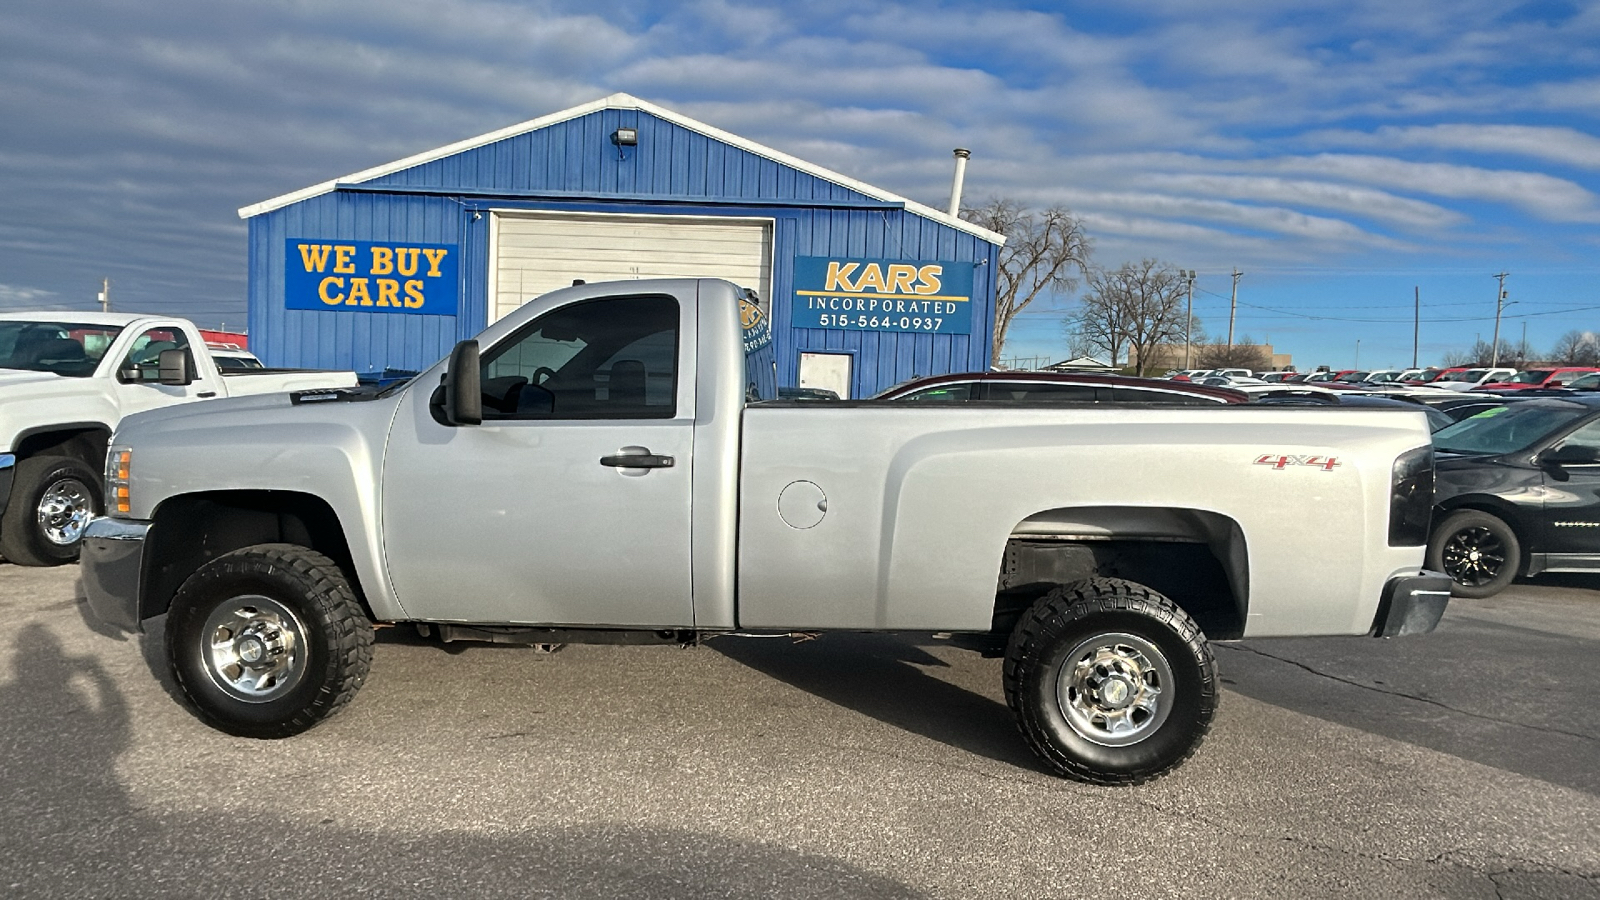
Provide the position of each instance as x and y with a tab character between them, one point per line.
882	295
358	276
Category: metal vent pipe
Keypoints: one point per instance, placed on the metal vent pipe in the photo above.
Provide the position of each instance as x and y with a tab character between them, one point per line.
961	173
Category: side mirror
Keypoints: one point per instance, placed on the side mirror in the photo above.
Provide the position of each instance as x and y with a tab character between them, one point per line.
463	390
174	366
1552	384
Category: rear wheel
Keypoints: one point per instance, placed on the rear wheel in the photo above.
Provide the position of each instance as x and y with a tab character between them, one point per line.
52	500
1479	552
1110	681
268	641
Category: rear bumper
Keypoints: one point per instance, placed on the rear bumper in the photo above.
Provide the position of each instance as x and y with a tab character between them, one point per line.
111	557
1412	604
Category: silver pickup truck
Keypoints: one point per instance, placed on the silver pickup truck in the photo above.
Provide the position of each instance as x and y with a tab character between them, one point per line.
589	470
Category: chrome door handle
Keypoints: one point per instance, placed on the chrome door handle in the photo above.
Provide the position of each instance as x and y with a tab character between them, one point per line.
637	458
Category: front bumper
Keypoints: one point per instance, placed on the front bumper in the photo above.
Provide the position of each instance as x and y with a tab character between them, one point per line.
8	471
1412	604
111	557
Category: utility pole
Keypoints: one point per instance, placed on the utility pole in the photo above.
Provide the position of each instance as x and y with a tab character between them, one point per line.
1358	353
105	295
1416	322
1522	350
1188	321
1499	305
1233	305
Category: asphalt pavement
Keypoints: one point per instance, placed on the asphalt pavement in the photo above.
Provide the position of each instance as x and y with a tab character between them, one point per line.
1461	764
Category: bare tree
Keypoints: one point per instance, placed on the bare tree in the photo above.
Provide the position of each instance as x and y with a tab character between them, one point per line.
1044	252
1576	348
1138	307
1244	354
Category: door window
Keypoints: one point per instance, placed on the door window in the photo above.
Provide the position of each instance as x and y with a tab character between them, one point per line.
1024	392
143	362
612	358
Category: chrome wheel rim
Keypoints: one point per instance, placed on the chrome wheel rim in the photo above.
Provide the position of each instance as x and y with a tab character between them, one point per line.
1115	689
254	648
64	511
1474	556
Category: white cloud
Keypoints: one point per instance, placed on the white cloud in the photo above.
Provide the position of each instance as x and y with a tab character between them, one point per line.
1567	146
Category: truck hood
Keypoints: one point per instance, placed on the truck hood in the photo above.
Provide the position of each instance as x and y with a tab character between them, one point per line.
249	411
14	381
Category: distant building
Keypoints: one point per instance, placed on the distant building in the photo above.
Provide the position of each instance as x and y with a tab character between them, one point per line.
1170	356
856	288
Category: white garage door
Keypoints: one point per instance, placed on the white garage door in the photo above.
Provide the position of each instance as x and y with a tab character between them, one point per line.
537	253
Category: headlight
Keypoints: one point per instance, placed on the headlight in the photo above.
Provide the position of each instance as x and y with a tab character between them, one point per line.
119	463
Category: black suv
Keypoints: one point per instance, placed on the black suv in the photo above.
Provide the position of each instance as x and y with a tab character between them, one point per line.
1517	493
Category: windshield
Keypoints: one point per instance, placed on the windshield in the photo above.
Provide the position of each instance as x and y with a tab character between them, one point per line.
1586	382
1506	429
1532	376
1351	377
72	349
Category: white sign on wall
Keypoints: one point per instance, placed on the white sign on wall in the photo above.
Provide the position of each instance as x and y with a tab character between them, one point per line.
828	371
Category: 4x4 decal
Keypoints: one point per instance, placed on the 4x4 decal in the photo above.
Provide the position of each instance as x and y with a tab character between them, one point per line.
1281	461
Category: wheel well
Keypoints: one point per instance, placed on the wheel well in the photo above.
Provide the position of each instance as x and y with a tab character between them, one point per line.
85	443
1196	558
1499	511
188	531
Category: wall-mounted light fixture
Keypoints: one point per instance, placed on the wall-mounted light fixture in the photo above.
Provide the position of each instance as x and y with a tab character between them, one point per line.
625	137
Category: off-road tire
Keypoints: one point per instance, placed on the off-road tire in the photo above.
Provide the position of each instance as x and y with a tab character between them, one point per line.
1107	611
22	535
1466	530
244	592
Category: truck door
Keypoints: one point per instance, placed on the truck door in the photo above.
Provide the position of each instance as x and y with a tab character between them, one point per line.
138	372
570	503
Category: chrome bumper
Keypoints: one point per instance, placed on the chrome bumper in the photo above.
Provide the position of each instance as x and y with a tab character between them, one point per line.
1412	604
112	553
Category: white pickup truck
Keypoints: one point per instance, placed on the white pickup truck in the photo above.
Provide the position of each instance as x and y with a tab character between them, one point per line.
66	380
589	470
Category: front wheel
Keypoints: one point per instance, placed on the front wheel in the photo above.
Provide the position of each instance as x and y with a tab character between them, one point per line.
1110	681
268	641
1479	552
52	500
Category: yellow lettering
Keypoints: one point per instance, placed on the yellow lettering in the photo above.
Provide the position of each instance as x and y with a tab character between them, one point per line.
413	293
401	264
900	278
322	290
435	256
382	261
872	277
930	279
839	276
314	256
388	292
358	293
341	259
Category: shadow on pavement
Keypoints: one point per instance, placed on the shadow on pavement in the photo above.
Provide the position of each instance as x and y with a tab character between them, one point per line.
877	675
1513	698
70	828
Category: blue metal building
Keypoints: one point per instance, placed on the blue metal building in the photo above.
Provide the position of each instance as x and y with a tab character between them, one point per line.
391	266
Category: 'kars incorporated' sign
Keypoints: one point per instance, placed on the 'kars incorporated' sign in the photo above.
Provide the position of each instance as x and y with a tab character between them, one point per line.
882	295
356	276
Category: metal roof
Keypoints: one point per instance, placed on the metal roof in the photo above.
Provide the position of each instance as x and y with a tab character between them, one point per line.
621	101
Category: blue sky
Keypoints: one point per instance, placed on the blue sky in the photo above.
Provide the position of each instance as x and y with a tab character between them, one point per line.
1340	154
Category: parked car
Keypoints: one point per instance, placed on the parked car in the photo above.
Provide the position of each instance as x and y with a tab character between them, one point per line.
1517	493
1533	379
587	471
232	357
1467	379
1055	387
68	379
1311	395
